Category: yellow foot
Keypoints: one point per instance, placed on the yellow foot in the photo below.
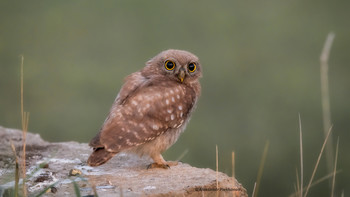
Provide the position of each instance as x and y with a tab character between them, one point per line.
164	166
157	165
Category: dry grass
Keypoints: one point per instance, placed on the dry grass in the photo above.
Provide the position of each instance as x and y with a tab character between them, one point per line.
182	155
326	112
217	170
25	121
300	190
233	165
314	183
335	167
253	194
318	162
16	170
261	169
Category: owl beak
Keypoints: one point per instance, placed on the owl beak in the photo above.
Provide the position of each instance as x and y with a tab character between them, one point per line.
181	75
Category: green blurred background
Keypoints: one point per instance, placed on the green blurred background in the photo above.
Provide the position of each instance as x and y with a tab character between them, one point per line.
260	62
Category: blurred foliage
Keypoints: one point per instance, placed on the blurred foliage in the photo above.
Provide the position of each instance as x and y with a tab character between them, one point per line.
261	68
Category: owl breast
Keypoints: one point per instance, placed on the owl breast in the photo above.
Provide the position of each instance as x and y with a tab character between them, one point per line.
166	108
156	113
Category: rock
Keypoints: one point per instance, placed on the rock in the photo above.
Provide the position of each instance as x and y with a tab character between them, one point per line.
51	166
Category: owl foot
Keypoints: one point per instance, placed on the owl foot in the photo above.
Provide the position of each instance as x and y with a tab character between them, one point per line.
161	165
158	165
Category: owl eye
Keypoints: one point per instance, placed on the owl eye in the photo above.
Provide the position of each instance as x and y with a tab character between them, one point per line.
192	67
169	65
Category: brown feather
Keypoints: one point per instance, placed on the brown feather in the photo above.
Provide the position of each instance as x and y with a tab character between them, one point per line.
99	157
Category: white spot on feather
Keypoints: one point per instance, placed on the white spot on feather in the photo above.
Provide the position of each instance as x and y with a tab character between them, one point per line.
136	135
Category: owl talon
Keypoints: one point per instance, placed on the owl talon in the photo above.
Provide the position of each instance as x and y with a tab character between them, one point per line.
157	165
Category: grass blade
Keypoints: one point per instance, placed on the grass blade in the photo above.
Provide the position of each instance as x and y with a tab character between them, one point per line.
326	112
16	169
335	168
182	155
301	159
261	168
298	183
217	167
318	161
76	189
330	175
253	194
233	165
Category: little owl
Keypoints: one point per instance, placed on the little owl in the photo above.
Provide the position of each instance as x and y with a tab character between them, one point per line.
151	110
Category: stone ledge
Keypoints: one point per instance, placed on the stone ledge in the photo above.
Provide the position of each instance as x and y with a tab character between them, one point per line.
124	175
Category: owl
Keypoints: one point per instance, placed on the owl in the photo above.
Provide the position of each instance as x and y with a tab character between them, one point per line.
151	110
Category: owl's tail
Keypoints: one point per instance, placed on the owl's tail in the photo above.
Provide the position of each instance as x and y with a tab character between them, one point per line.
99	157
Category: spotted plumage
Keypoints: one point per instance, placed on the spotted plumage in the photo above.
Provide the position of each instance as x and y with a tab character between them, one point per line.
151	109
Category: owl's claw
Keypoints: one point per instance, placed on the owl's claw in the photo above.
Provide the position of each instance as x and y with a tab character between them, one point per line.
157	165
162	165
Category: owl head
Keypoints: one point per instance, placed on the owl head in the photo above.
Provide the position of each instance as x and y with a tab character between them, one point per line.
177	65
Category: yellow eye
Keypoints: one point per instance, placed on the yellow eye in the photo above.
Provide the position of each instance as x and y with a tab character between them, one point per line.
169	65
192	67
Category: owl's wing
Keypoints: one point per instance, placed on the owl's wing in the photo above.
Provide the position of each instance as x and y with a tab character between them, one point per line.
132	83
144	114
